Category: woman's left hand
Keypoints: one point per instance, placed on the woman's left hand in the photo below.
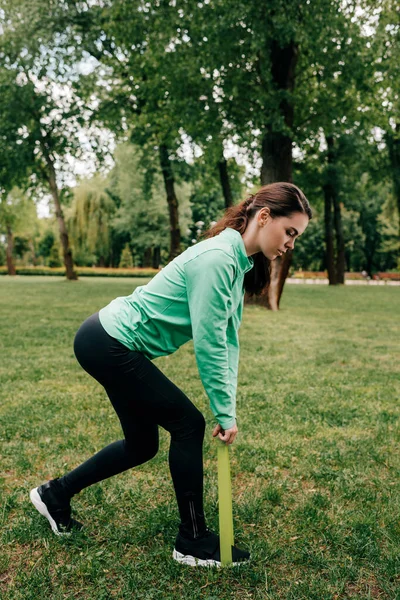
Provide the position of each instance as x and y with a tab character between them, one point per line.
226	435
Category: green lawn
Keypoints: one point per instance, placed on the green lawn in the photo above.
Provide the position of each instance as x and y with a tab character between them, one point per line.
315	466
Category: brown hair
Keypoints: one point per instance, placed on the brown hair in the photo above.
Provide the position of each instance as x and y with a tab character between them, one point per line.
283	199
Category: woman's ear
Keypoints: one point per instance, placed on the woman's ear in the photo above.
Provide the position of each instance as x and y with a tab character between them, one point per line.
263	216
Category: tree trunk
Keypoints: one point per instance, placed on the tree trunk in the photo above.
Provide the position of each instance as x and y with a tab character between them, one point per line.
32	247
156	257
147	257
340	250
278	278
277	164
276	153
225	183
9	250
393	144
330	265
67	252
368	266
175	232
329	189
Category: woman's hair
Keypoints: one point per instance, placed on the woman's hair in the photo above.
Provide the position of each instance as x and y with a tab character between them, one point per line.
283	199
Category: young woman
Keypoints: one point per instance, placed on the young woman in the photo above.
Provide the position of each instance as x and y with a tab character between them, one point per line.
199	295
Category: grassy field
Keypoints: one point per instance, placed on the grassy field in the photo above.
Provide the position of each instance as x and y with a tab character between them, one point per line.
315	466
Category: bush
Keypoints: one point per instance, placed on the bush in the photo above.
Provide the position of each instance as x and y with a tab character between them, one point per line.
83	258
84	271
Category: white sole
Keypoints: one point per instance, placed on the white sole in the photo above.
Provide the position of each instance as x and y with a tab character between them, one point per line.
42	508
192	561
187	559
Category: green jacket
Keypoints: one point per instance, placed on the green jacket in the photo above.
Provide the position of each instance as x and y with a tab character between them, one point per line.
199	295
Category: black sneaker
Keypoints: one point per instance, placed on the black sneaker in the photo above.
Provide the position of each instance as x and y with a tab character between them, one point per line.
56	511
205	551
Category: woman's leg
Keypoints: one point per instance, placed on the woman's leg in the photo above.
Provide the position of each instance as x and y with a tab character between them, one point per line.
111	460
143	398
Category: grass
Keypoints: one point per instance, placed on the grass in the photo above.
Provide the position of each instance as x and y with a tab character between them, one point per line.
315	466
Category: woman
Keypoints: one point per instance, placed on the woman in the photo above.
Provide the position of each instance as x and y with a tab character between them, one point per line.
199	295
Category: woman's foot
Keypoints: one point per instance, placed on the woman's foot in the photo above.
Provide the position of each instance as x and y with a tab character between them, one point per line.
205	551
57	511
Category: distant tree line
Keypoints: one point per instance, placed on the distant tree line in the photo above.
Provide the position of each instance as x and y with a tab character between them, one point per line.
309	91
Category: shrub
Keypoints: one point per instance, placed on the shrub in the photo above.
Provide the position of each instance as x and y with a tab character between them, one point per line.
84	271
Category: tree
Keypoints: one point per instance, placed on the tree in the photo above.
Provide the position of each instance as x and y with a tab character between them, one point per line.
42	119
89	219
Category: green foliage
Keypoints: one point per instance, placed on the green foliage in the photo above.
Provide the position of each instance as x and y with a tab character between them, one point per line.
142	213
15	210
309	253
83	257
142	216
375	205
46	243
2	255
18	217
22	250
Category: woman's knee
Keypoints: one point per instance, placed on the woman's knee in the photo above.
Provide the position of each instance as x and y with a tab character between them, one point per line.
143	452
200	423
193	426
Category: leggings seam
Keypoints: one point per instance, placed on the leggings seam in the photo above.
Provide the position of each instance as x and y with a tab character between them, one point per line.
193	515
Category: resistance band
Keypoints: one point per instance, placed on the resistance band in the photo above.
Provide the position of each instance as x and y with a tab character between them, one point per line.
225	504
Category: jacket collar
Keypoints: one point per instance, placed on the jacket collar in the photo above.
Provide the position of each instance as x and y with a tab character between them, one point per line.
245	262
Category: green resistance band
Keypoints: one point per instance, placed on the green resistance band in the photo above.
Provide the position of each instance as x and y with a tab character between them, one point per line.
225	504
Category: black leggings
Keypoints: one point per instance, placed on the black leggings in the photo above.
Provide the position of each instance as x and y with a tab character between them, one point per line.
143	398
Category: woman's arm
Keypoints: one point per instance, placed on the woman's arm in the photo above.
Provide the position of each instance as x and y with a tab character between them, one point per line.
209	281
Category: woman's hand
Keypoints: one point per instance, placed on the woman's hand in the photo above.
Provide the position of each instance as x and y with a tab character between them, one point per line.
226	435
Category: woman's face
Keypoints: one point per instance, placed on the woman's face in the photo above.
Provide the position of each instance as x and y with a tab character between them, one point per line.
276	236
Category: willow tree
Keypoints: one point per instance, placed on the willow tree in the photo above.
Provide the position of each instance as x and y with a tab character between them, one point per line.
89	219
